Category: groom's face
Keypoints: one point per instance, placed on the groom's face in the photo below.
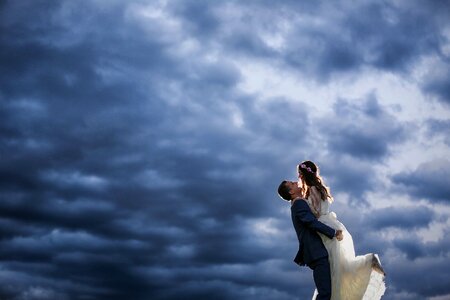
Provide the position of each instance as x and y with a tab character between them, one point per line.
293	187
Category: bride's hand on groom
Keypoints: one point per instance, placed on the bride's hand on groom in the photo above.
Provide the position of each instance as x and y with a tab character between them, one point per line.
339	235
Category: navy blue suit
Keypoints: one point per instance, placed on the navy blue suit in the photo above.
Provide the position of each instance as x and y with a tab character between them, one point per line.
311	251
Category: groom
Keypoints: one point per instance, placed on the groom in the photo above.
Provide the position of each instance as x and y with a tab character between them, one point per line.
311	250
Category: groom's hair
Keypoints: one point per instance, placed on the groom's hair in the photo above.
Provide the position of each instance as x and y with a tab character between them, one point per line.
283	191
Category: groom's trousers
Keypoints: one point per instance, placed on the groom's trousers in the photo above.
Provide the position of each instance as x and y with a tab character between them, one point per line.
322	277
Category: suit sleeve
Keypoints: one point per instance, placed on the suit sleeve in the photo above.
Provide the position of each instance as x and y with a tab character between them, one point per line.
304	215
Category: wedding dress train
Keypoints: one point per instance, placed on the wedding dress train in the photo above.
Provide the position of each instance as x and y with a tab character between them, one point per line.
352	277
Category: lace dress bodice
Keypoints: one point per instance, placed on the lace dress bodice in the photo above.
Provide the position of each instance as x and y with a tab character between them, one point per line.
325	207
318	206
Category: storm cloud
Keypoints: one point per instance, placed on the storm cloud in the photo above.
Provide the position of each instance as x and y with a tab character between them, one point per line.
142	143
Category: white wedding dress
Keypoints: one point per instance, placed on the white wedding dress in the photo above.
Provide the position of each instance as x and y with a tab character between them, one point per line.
352	277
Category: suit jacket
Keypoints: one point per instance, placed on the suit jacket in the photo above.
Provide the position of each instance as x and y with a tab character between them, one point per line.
306	226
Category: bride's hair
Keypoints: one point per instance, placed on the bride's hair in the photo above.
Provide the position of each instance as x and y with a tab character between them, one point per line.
311	178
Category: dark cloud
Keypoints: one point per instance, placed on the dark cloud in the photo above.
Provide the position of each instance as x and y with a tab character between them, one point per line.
357	135
201	17
324	44
428	181
341	174
414	257
438	85
377	27
134	166
363	131
410	248
401	217
439	128
407	253
112	177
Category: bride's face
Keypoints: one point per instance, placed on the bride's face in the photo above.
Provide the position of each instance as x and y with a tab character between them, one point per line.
300	178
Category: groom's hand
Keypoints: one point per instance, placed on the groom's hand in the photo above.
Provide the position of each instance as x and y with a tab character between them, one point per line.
339	235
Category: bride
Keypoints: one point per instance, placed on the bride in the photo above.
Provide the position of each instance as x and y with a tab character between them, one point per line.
352	277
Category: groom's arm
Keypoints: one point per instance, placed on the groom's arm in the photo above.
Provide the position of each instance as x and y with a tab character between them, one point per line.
304	214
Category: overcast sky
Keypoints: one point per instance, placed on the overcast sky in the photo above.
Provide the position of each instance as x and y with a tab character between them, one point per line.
142	143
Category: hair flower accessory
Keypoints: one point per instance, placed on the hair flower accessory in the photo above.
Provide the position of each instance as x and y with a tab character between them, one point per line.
303	166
